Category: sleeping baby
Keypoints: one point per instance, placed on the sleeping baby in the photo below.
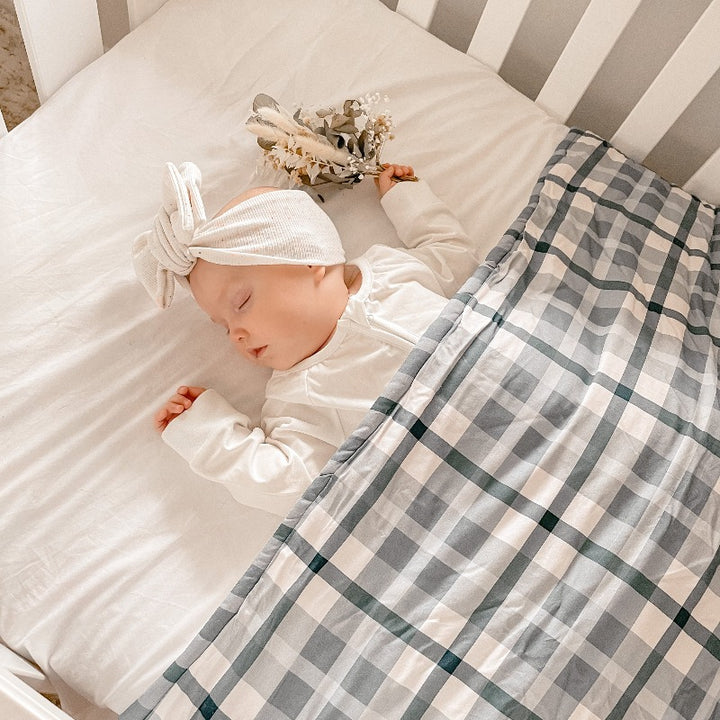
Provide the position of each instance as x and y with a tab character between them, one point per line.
270	269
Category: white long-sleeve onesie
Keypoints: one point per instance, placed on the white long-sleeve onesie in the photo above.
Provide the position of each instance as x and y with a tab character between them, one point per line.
311	408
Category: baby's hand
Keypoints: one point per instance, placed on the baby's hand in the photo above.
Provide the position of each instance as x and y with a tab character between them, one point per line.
176	405
386	180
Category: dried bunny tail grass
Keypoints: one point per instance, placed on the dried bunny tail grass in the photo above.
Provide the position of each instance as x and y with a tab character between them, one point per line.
280	119
320	151
268	132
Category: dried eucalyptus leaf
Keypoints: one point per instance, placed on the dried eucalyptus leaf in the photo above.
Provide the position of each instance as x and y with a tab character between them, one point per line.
265	144
299	120
262	100
334	139
351	108
340	121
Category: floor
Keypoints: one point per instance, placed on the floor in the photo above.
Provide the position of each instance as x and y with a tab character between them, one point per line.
18	98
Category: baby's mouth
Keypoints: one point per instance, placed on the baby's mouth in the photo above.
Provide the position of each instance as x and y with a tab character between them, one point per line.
257	352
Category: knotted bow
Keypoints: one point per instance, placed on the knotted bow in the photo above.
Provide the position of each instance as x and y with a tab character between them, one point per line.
163	254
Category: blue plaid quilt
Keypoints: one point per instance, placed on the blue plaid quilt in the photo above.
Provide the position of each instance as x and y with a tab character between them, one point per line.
527	525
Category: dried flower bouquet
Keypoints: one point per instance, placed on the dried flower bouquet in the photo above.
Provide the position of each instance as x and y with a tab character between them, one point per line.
327	145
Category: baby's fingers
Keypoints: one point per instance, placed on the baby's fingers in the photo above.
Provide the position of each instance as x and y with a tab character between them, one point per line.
191	391
178	403
399	171
385	180
175	406
402	171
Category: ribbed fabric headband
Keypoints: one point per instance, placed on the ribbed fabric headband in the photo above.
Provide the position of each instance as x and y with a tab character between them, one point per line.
280	227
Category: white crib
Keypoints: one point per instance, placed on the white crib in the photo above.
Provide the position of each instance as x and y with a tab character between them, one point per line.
666	115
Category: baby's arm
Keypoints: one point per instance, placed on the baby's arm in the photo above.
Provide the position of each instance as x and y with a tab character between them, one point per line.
265	467
181	401
429	230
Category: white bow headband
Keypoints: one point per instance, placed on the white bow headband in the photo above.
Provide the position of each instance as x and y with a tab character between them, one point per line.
282	227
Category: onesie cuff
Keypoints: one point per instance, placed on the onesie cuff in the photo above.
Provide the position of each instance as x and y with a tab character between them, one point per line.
187	433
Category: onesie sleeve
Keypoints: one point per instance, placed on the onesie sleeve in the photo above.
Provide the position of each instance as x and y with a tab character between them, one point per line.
431	233
265	467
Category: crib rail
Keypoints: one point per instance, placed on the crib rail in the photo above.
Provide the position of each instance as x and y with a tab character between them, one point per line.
52	62
18	701
645	74
56	56
20	687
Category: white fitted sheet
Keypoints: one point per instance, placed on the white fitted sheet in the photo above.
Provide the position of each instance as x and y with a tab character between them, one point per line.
112	552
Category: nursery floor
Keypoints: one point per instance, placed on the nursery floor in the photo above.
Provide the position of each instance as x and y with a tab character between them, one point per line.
18	98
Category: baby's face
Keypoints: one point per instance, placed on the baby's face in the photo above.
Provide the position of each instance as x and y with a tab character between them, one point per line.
276	315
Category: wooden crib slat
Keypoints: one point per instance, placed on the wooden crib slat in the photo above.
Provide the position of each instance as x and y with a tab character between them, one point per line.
419	11
695	61
56	56
594	37
496	30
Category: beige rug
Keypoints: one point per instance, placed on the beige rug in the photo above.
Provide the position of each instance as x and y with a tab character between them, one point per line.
18	97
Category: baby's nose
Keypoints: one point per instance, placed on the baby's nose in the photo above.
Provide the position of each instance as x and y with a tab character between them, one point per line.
238	334
235	328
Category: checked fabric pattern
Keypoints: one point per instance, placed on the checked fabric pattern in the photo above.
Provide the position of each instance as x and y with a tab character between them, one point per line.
527	525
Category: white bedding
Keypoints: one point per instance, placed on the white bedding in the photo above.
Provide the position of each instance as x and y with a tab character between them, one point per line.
113	553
